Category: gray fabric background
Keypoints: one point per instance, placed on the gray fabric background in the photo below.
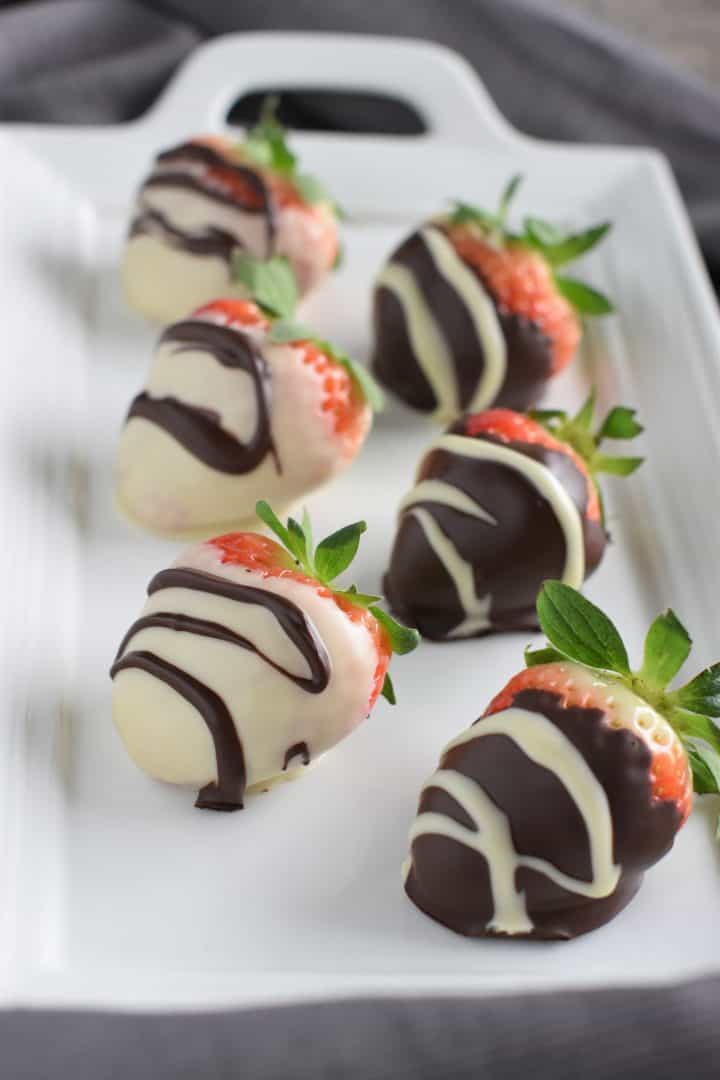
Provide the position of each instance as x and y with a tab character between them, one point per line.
91	61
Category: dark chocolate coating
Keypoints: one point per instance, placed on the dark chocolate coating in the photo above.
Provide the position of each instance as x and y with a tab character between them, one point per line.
510	560
450	882
227	793
198	429
529	351
147	219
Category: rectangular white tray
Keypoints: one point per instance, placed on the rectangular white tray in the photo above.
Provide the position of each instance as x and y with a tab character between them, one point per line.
114	891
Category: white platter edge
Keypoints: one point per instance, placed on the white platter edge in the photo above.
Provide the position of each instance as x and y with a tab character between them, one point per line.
448	93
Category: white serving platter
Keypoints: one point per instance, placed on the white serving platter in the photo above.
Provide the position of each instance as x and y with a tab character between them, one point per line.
114	890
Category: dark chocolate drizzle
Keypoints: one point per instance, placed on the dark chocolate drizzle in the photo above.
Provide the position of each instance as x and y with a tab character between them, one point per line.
293	621
208	241
298	749
528	350
510	560
227	793
198	429
450	882
213	159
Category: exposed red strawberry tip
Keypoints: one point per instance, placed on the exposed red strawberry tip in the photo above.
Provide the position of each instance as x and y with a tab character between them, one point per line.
670	774
511	426
521	282
228	311
265	556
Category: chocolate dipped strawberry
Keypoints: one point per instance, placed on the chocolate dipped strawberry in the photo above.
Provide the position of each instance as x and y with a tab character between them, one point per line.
502	501
239	405
249	662
469	314
213	197
544	815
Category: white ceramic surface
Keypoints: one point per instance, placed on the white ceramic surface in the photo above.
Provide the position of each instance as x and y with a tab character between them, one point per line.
113	889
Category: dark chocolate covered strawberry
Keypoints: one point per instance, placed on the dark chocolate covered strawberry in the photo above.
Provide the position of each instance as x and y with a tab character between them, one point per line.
469	314
544	815
249	660
502	501
213	197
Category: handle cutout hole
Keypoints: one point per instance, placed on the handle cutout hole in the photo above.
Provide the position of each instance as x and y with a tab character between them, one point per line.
363	113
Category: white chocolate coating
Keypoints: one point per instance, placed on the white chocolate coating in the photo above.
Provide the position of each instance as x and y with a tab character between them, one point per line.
164	281
163	487
168	738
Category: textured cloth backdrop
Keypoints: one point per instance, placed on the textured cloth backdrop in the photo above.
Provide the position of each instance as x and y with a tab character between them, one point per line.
554	75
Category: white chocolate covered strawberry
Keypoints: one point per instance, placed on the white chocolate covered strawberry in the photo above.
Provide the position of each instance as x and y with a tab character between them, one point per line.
238	406
247	661
211	198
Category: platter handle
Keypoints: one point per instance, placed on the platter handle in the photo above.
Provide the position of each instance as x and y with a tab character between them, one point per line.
438	82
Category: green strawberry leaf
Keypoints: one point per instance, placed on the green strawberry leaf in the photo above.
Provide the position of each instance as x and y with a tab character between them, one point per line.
307	529
266	141
541	234
564	249
388	690
365	600
618	466
270	282
310	189
667	647
300	548
701	694
620	423
507	197
584	418
544	415
334	554
265	512
467	214
705	765
284	331
402	638
585	300
340	253
533	657
579	630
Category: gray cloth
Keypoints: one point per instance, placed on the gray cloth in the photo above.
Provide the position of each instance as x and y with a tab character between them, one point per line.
555	76
638	1035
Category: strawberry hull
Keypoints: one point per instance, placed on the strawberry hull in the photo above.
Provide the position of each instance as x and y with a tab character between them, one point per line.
541	819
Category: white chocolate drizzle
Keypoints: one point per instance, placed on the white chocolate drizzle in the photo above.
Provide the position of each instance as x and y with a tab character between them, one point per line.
491	836
426	339
546	484
476	608
439	491
482	312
